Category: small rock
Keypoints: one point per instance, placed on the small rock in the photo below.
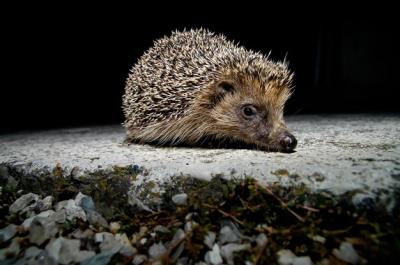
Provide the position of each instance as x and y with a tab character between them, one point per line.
23	202
262	227
102	258
60	216
303	260
83	255
189	216
347	253
13	249
200	263
285	257
190	225
137	236
180	199
213	256
72	211
228	250
134	200
79	234
161	229
45	204
109	242
75	171
85	202
42	258
95	218
177	253
139	259
261	240
41	229
157	250
127	249
183	261
114	227
179	235
46	214
318	238
27	223
8	232
143	241
209	239
33	256
233	227
102	236
65	251
32	252
226	235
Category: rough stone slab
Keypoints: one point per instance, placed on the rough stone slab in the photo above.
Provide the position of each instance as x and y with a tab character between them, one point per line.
337	153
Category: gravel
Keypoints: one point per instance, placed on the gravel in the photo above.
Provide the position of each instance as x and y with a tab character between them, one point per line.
180	199
213	256
209	239
347	253
226	235
7	232
23	203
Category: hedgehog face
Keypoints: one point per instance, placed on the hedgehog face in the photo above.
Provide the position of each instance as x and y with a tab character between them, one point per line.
253	112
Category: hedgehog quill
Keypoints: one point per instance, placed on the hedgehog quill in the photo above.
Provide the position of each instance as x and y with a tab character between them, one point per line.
197	88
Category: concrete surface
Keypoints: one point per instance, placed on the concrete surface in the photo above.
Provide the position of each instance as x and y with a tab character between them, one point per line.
337	153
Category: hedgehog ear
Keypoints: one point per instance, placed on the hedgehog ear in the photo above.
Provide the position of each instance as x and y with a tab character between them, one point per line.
225	87
221	89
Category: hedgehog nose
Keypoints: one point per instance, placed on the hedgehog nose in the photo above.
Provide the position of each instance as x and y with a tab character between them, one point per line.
287	141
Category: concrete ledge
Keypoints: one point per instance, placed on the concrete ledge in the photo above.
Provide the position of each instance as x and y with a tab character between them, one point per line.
334	200
338	153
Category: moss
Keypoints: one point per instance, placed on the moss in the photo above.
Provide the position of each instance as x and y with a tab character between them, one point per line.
57	170
281	172
317	177
149	193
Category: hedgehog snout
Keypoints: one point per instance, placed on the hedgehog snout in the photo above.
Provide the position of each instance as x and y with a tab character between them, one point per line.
287	141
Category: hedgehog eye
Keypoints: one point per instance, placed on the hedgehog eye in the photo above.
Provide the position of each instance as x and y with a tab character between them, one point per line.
249	111
225	87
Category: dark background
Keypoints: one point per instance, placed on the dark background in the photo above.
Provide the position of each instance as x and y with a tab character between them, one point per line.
67	67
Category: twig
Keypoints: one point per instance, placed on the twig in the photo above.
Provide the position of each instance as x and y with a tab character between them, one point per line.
224	213
308	208
301	219
259	253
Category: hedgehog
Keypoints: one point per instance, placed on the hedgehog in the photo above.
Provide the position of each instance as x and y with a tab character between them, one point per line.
197	88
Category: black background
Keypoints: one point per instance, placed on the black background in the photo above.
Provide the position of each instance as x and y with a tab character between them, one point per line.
67	66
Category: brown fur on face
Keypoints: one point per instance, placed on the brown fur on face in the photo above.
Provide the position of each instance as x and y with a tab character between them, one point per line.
230	95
